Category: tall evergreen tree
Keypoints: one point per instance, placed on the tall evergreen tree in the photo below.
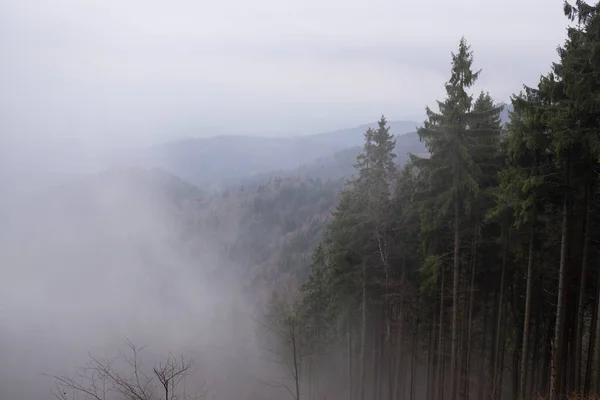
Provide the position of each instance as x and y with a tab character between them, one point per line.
452	137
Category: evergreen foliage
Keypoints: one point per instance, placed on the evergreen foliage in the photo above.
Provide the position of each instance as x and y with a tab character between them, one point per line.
470	272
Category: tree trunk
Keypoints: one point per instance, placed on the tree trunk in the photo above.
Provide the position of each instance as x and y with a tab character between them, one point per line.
441	355
398	376
581	295
391	368
311	386
413	369
462	338
515	372
296	369
589	370
363	344
558	330
376	372
500	389
350	377
485	361
454	349
497	365
527	318
596	369
534	364
548	354
568	385
470	317
431	361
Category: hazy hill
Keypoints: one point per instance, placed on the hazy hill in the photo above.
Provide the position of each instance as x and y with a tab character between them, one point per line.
341	163
259	235
121	254
214	160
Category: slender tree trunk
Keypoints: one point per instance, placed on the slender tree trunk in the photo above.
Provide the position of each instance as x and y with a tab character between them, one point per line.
455	305
431	361
363	344
534	363
566	351
386	314
391	369
413	369
381	376
548	354
311	386
296	369
500	389
399	370
398	386
350	374
376	363
581	294
560	304
317	382
596	370
441	355
527	318
470	318
497	365
485	352
589	370
462	338
570	327
515	372
516	354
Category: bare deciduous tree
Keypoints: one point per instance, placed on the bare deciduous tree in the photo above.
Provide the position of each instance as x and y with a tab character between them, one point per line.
125	378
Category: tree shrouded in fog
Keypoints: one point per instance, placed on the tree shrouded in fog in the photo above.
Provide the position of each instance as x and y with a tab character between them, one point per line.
469	273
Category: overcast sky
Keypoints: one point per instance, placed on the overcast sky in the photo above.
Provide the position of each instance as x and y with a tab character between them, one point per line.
126	71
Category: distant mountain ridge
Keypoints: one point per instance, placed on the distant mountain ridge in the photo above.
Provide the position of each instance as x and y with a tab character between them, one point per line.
212	161
224	160
341	163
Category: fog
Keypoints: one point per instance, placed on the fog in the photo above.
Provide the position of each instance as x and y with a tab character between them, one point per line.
89	264
89	259
136	71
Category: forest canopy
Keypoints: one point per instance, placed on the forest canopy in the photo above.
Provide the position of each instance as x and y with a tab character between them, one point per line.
472	271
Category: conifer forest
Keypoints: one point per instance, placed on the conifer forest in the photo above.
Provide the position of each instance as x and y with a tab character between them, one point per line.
471	272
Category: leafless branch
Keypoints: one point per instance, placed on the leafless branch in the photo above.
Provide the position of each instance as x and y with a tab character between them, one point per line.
100	379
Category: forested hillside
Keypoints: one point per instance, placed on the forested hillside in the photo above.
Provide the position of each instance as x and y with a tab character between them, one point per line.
269	230
470	273
341	163
226	159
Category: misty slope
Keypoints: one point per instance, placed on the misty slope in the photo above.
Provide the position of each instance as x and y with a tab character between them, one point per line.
213	160
341	163
265	228
145	255
270	229
261	233
176	259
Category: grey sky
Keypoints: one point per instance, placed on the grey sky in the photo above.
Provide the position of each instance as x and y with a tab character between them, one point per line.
112	71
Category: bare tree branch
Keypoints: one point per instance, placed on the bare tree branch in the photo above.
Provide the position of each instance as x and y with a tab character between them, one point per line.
103	379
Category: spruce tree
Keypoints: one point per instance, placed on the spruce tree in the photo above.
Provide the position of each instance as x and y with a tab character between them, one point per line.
449	135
